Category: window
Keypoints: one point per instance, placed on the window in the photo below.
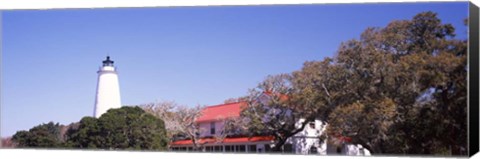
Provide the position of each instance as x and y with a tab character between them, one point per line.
313	150
209	148
252	148
212	128
288	148
228	148
240	148
218	148
267	148
312	125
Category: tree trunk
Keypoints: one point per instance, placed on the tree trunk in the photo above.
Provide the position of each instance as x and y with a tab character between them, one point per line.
279	144
281	138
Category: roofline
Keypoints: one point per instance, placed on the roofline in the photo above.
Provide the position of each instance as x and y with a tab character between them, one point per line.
214	120
223	142
219	105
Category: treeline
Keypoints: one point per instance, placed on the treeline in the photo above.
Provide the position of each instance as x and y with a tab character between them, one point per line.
118	129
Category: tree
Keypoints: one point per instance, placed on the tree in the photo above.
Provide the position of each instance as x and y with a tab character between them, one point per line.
180	121
413	67
232	126
272	110
235	100
123	128
41	136
7	142
366	122
363	109
188	125
166	112
84	134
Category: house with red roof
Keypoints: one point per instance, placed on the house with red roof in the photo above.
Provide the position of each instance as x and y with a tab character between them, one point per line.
211	121
305	142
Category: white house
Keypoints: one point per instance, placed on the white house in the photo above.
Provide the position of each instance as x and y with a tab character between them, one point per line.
211	122
304	142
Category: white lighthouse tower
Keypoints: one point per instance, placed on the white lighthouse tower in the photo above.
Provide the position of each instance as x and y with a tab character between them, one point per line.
108	91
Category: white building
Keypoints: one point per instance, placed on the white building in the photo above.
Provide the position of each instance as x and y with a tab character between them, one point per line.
304	142
108	91
211	122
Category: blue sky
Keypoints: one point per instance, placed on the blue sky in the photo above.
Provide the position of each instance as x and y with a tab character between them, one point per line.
191	55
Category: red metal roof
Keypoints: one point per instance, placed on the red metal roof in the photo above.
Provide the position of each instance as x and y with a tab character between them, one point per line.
282	97
346	139
341	138
218	112
226	140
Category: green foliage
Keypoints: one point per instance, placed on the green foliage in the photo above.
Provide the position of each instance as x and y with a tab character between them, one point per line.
273	110
399	89
366	122
85	134
396	90
123	128
41	136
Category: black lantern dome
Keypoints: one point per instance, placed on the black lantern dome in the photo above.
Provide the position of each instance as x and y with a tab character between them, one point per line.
108	62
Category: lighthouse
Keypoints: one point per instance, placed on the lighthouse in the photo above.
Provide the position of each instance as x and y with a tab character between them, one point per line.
108	91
